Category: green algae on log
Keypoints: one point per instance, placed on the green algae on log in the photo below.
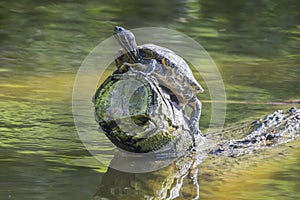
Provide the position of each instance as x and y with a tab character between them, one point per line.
138	116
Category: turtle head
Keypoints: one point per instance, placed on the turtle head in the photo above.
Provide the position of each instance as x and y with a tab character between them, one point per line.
127	40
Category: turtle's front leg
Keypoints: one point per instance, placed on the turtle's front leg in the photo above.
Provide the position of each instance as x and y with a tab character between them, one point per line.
136	68
195	104
151	66
145	68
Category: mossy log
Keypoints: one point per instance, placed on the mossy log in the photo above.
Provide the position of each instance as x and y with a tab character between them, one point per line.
138	116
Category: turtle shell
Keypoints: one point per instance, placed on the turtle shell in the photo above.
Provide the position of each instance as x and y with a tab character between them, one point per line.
173	64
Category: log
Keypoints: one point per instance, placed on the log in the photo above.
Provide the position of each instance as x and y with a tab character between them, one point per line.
138	116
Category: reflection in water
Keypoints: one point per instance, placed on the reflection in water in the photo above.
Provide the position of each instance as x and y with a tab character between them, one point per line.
165	183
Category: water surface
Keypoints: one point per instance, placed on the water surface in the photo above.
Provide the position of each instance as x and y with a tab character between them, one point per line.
255	44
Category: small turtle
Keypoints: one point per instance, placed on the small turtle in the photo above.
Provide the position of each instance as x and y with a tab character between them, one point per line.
171	71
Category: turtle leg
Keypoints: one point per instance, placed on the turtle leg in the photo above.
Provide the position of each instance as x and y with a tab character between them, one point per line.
123	69
145	69
151	66
195	104
141	69
136	68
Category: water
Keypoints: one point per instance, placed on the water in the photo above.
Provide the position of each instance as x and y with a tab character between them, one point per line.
254	43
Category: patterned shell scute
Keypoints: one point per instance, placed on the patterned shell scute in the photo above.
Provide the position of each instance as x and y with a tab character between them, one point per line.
176	64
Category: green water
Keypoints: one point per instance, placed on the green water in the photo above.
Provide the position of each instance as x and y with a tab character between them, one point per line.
255	45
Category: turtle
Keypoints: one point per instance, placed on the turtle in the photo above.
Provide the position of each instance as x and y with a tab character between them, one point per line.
171	71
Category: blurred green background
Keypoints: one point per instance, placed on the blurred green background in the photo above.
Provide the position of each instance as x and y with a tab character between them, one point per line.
255	44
